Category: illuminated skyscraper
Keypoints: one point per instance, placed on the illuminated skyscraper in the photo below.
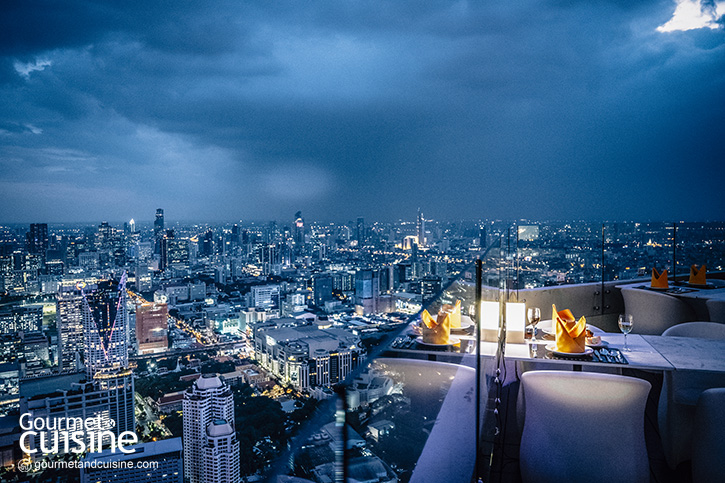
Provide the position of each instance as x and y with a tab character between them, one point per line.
37	239
105	325
152	327
360	232
299	233
174	251
69	321
211	450
420	229
158	229
159	223
109	392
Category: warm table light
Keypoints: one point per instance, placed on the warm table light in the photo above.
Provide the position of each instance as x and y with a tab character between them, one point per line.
489	321
515	322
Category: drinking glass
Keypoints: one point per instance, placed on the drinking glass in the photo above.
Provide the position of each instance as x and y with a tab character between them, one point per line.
534	315
625	325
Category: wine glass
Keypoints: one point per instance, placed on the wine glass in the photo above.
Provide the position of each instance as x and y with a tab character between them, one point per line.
534	315
625	325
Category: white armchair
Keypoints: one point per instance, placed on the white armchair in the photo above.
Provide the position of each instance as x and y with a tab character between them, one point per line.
708	448
654	312
582	426
680	390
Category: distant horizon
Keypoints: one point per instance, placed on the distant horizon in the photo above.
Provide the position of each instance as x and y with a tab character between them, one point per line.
279	221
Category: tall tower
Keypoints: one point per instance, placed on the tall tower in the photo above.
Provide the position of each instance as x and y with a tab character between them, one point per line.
420	229
211	450
69	321
106	350
105	324
159	223
174	251
299	232
360	232
37	239
158	229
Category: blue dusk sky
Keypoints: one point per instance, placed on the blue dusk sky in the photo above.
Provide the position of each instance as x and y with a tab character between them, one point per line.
598	110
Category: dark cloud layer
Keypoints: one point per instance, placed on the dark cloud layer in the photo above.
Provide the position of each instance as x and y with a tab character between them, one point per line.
230	110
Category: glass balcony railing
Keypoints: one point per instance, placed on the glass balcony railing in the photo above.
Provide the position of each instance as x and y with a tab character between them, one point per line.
423	406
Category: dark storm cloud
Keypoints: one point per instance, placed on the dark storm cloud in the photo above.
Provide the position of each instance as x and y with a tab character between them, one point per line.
258	109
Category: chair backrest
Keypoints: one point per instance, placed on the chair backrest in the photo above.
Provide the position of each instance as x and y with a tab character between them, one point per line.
703	330
583	426
654	312
716	309
708	443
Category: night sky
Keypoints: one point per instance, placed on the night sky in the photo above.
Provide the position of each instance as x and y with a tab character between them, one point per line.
598	110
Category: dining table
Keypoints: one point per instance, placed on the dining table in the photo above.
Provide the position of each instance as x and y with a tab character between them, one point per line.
646	352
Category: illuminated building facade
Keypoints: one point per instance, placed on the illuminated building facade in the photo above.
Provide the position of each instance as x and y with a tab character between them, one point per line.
306	356
211	450
299	233
105	325
152	327
69	322
36	239
174	252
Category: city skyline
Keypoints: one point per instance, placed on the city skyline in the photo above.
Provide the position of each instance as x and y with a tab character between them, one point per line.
606	110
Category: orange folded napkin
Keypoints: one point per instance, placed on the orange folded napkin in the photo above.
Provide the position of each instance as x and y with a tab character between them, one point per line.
659	280
436	331
570	333
454	311
698	276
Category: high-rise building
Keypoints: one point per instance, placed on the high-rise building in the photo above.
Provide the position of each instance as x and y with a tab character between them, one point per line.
37	239
132	226
360	232
105	234
110	399
236	238
159	223
420	229
265	296
299	233
28	318
367	290
158	230
105	326
174	252
211	450
206	244
69	322
221	453
482	235
152	327
154	462
322	286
